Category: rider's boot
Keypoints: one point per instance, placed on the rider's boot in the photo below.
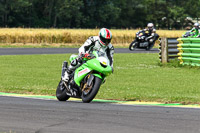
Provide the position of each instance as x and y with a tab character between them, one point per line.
150	46
74	64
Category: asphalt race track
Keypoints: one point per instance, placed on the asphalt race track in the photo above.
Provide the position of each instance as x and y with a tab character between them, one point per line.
25	115
25	51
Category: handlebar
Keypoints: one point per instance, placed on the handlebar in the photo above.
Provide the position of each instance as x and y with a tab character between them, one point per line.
87	56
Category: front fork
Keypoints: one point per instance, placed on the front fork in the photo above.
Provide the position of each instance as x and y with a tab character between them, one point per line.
92	76
64	68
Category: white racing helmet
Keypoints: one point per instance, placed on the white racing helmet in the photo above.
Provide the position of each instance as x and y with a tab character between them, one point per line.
196	25
105	36
150	26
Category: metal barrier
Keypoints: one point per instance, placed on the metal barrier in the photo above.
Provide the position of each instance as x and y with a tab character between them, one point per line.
168	49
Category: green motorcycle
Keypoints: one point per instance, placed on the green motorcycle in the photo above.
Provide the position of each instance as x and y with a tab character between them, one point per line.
190	35
86	80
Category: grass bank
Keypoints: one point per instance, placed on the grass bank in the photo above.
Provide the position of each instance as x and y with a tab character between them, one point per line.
136	77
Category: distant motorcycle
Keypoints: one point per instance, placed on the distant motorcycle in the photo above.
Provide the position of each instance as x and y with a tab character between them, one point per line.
140	42
189	35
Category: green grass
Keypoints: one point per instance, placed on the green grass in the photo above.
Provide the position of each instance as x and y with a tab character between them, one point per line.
136	77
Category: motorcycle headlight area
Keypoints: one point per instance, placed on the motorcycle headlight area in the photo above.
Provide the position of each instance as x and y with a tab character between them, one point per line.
103	61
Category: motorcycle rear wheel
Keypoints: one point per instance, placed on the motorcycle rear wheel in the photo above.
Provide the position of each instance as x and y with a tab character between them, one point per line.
61	92
132	46
89	94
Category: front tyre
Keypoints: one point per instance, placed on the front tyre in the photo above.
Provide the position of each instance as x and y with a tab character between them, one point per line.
61	92
89	93
133	45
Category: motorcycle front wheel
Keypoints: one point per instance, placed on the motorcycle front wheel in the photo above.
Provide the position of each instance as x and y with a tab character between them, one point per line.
61	92
90	92
132	46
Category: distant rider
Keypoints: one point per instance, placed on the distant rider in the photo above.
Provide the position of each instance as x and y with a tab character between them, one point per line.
194	32
97	43
151	34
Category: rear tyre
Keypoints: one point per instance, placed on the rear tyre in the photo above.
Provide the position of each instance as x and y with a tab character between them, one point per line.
61	92
89	94
133	45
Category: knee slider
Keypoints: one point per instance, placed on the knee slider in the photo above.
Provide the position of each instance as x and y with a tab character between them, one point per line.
151	40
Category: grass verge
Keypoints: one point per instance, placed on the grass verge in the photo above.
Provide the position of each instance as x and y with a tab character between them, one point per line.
136	77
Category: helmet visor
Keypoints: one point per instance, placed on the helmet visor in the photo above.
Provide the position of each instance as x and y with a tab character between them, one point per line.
150	28
105	41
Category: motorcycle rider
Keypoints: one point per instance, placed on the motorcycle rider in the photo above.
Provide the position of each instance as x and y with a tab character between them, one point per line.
151	34
99	43
194	32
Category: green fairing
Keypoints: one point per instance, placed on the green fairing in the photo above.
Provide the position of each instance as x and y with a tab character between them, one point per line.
94	66
196	33
77	78
99	76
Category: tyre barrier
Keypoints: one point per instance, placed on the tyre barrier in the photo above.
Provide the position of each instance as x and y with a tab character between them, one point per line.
189	51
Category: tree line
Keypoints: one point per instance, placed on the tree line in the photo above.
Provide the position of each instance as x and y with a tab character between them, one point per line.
165	14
